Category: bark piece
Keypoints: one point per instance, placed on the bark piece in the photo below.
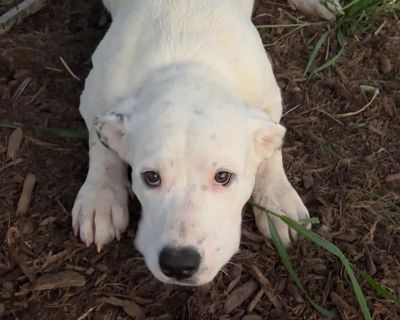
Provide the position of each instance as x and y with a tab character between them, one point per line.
63	279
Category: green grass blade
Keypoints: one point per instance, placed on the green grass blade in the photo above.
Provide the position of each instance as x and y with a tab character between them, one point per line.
378	288
313	55
329	63
64	133
338	253
333	249
327	148
10	126
312	220
340	38
350	4
280	247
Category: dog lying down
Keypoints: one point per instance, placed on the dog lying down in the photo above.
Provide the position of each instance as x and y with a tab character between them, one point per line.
183	92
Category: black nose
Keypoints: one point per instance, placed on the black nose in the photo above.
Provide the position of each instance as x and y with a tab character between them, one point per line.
179	263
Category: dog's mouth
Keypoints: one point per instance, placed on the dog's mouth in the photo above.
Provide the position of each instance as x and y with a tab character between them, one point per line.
200	278
185	282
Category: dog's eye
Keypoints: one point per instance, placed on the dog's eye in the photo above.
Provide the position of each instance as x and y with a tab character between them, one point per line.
151	178
223	178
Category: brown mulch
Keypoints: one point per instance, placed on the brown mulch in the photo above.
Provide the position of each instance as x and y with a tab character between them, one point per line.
331	155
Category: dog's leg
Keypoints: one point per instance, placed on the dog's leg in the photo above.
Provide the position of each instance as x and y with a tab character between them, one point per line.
273	191
100	212
317	7
115	6
246	6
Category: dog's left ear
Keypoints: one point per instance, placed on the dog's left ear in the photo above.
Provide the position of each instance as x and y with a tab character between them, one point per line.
111	130
268	135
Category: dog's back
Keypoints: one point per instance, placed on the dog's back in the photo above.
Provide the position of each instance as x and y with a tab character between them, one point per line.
115	6
148	35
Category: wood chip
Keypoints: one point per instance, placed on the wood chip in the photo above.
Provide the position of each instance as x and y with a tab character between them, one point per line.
13	238
308	181
52	258
86	314
342	304
239	295
20	90
130	307
165	316
294	292
26	194
237	272
370	263
385	64
2	309
266	284
14	143
63	279
11	163
392	177
252	317
253	304
21	262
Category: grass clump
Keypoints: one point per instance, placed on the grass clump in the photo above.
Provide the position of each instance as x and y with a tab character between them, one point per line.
334	250
355	18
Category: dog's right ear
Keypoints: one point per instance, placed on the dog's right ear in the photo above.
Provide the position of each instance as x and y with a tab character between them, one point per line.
111	130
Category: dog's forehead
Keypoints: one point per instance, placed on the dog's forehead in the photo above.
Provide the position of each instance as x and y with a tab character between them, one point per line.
201	142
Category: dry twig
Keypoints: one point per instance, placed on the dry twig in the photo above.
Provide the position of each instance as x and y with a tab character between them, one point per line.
18	13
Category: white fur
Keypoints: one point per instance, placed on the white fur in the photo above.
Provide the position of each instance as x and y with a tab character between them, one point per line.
183	87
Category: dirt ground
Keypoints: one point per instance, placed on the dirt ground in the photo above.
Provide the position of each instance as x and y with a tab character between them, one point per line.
333	158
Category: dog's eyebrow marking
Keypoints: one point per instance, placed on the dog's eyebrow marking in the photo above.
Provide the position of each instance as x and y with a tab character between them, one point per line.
203	187
200	241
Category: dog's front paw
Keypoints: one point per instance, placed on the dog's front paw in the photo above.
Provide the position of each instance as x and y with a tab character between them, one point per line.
283	200
325	9
100	212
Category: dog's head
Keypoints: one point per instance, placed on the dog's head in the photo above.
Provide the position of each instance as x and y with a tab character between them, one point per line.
194	155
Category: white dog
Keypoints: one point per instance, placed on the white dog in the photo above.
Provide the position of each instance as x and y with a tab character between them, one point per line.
183	92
